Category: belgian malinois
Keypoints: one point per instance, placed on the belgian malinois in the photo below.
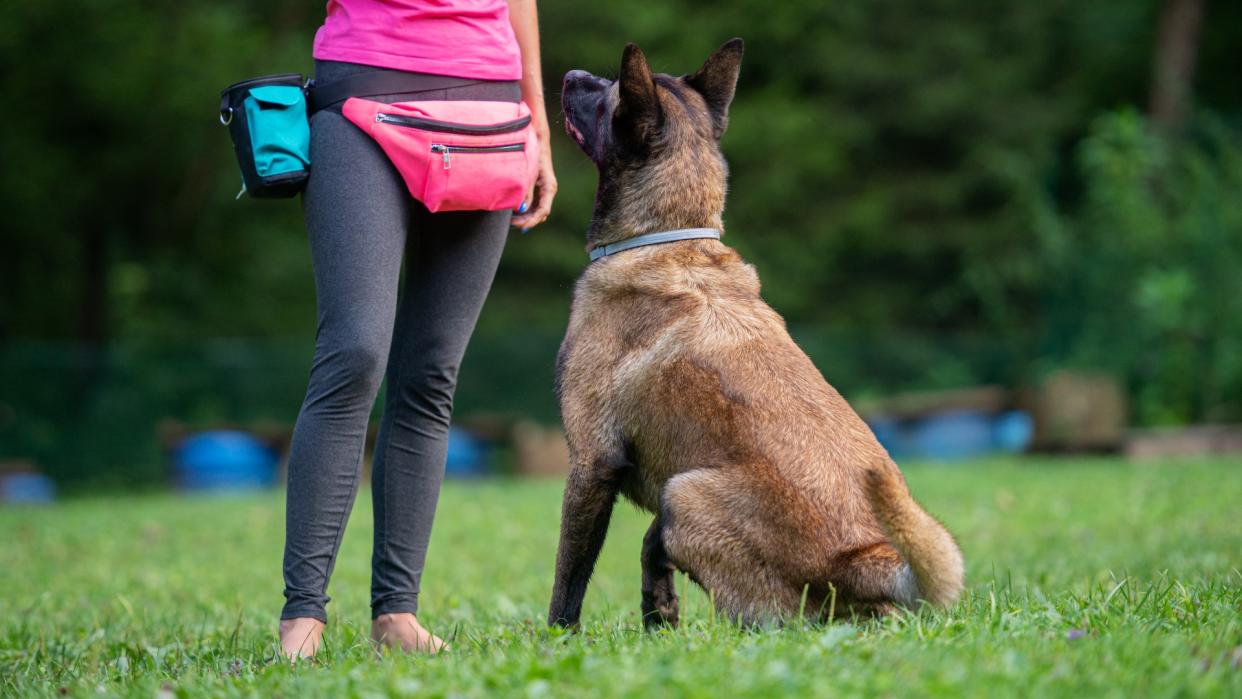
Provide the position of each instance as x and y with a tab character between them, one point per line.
681	389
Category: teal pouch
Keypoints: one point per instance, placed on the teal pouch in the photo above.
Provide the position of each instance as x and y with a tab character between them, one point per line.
279	131
267	119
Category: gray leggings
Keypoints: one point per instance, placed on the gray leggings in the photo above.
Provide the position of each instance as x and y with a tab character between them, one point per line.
361	222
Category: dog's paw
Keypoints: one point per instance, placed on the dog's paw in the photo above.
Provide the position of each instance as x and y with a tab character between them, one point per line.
557	622
661	613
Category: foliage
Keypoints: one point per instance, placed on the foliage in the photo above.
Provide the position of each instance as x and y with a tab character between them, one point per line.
1087	578
1144	281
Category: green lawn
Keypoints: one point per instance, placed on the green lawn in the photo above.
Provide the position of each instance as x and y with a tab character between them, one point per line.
1092	577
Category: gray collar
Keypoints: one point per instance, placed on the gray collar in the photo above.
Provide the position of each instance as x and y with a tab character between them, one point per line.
653	239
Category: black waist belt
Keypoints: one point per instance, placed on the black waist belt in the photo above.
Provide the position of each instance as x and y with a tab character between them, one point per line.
379	82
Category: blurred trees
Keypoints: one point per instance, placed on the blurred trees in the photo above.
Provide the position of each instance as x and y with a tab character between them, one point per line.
1145	279
935	193
117	186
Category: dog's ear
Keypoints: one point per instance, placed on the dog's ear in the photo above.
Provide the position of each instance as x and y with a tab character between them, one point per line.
717	80
638	107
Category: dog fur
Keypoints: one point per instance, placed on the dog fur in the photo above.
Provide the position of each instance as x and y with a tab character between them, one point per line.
681	389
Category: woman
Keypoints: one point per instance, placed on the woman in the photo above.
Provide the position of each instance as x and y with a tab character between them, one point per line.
361	222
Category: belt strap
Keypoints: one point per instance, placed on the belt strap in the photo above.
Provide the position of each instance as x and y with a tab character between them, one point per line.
378	82
653	239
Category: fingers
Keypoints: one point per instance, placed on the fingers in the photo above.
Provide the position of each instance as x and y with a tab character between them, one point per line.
530	197
542	206
539	214
541	200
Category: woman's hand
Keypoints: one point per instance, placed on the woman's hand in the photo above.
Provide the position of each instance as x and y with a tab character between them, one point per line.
524	18
538	202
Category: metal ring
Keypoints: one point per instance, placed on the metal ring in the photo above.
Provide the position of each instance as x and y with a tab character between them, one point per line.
229	120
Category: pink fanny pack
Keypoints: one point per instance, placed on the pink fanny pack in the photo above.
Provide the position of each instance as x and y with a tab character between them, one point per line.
455	155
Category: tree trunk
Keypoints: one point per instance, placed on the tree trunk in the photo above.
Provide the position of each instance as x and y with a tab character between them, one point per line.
1177	45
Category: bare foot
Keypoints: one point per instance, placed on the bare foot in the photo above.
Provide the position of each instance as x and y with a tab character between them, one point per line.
403	632
300	638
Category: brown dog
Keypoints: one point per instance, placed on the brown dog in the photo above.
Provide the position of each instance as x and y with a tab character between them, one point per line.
681	389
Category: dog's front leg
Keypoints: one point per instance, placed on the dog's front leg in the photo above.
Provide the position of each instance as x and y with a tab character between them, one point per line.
590	493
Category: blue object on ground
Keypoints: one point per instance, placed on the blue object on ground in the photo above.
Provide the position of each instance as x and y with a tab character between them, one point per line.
957	434
467	454
224	460
27	488
1012	431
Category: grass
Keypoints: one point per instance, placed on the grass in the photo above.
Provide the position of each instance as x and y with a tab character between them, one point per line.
1086	577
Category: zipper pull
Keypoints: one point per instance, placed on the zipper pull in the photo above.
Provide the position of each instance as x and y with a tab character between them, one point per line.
443	150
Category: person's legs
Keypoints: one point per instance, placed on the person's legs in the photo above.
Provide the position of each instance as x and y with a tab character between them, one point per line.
357	211
451	259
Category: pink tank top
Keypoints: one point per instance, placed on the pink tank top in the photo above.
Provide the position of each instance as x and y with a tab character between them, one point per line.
458	38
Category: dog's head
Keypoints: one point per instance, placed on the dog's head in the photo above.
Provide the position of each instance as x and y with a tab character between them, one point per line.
655	139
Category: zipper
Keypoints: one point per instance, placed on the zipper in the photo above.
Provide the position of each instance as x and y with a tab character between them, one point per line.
449	127
445	150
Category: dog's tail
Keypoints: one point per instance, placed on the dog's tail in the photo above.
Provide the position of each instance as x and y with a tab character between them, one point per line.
927	547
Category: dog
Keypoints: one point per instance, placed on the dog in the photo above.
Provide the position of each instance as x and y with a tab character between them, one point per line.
681	389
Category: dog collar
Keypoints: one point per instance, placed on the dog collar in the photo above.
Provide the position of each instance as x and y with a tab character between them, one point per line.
653	239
